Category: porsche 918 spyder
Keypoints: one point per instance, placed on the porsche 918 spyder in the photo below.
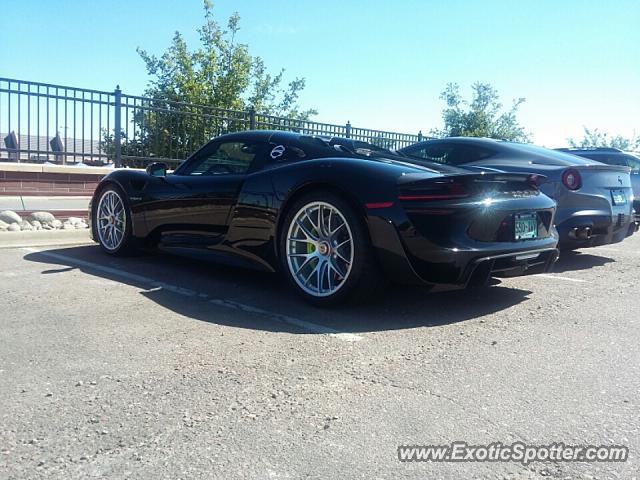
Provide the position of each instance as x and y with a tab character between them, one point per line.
335	215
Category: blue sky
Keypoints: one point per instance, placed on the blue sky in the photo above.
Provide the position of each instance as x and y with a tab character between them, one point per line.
379	64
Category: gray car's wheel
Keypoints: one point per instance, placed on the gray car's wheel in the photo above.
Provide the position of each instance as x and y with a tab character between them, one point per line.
112	221
325	250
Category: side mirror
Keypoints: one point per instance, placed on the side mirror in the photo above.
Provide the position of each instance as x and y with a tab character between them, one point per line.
157	169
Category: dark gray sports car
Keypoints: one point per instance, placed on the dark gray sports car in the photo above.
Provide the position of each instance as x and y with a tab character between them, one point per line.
615	156
335	215
594	200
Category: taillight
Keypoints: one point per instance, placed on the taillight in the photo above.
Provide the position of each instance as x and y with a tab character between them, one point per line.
571	179
437	191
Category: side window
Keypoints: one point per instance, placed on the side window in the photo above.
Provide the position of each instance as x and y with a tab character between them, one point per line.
461	154
438	153
227	158
634	163
452	154
279	152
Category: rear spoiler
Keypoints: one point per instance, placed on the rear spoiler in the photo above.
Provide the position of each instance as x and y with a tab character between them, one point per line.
532	179
604	166
415	187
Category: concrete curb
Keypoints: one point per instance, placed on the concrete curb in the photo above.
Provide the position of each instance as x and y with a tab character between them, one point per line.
41	168
21	203
43	238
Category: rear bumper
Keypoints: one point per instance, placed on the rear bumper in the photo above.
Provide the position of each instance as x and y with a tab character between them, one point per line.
458	266
510	265
604	229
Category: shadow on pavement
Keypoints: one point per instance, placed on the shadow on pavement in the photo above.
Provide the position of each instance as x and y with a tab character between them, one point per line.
400	307
573	261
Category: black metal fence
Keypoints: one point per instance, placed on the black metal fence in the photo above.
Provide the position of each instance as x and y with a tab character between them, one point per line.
41	122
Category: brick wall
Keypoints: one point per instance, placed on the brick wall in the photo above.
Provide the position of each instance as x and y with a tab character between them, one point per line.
45	180
49	184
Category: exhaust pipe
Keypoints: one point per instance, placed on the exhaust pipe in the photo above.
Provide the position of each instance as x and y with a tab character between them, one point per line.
584	233
580	233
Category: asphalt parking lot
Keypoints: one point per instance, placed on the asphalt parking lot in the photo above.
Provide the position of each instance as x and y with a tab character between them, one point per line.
160	367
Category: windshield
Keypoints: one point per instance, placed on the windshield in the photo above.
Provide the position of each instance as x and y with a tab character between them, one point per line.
633	161
358	146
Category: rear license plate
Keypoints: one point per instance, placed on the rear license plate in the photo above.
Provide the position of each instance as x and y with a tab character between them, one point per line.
618	197
526	226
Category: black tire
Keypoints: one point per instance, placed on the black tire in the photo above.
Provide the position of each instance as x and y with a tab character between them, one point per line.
127	245
364	278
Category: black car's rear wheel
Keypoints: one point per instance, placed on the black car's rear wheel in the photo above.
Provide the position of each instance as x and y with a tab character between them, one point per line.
325	250
112	221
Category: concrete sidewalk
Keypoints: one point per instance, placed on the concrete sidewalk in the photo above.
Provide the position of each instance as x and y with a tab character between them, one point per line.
69	205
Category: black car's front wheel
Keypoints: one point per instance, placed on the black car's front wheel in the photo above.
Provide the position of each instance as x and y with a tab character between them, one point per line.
112	221
325	250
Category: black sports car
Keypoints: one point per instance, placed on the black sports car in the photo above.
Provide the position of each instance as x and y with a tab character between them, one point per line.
336	215
594	200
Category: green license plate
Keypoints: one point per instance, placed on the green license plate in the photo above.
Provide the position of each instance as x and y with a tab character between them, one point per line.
526	226
618	197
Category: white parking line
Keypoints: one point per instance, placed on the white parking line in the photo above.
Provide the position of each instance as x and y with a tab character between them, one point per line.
155	284
558	277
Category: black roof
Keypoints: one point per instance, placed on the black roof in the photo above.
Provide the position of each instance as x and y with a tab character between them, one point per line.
354	147
514	150
590	149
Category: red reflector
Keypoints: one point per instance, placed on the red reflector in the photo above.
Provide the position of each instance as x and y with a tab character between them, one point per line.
378	205
409	198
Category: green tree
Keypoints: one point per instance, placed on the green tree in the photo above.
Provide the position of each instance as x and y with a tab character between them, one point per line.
481	117
191	88
595	138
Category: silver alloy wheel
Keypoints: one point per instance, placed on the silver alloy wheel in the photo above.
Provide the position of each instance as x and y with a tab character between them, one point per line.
319	249
111	220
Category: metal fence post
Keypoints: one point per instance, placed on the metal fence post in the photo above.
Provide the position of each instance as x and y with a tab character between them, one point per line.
348	129
252	118
420	136
118	129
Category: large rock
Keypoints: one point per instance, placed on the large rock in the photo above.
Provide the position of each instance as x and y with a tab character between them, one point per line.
56	223
74	220
43	217
25	226
9	216
36	225
14	227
